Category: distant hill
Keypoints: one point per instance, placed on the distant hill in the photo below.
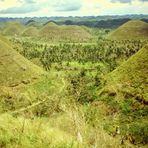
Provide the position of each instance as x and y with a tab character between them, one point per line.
49	29
134	29
73	33
33	23
109	21
31	31
30	22
14	68
13	28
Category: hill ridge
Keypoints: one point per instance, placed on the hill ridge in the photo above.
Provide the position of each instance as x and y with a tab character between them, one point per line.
133	29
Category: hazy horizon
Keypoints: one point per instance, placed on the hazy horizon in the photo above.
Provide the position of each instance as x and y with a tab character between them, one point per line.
66	8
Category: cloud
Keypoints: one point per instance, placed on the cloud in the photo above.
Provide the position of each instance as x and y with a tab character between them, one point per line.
23	8
121	1
28	6
144	0
127	1
67	5
19	10
72	7
27	1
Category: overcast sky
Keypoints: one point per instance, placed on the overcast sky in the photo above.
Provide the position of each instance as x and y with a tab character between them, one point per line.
21	8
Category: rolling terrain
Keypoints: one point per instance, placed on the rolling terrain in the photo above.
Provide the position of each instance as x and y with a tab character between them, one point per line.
81	91
69	33
50	32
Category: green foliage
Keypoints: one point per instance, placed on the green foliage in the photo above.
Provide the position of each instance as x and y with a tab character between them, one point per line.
126	107
139	132
78	88
21	132
106	52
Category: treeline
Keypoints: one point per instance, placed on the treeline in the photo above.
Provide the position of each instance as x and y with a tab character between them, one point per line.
106	51
105	24
112	23
43	20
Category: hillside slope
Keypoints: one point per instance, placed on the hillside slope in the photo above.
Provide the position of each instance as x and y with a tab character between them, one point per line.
133	73
134	29
14	68
31	31
125	96
13	29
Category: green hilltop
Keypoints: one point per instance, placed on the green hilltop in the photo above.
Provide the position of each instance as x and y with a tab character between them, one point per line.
31	31
49	31
134	29
52	31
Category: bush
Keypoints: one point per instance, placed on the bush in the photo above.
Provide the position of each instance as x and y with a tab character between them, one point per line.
138	133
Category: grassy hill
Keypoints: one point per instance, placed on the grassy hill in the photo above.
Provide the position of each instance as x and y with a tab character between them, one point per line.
54	32
31	31
48	32
36	133
5	40
134	29
2	25
130	78
14	68
21	82
133	73
13	29
126	97
32	23
74	32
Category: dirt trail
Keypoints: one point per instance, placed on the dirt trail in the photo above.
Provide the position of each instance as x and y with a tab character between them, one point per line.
39	102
